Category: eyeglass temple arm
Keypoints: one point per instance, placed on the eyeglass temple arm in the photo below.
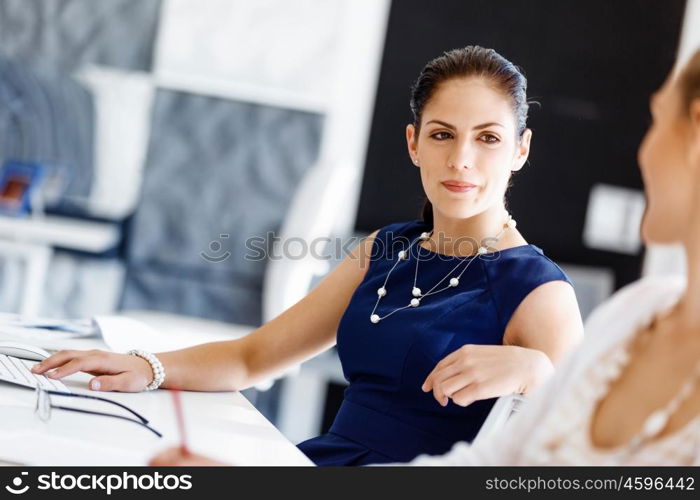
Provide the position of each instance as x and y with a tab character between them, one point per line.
122	417
98	398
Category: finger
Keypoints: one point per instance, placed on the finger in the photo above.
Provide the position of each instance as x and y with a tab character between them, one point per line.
440	397
450	359
456	383
79	364
458	353
198	460
122	382
466	396
58	359
439	379
175	457
167	457
429	382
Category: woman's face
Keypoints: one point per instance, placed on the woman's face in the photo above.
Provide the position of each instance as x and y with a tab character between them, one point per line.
467	147
664	162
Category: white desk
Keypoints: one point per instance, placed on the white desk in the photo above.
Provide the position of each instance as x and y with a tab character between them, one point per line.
224	426
33	239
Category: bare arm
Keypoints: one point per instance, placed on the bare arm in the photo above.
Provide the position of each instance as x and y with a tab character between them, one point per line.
302	331
299	333
545	326
548	321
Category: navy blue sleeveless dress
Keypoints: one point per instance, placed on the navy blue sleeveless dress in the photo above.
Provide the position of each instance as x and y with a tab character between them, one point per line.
385	416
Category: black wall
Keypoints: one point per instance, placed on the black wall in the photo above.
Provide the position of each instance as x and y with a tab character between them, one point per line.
591	64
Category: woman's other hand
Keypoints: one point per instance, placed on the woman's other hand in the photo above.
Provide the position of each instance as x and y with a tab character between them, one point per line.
476	372
114	372
176	456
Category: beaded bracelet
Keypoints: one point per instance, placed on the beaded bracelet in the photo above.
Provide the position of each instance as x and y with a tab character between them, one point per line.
156	367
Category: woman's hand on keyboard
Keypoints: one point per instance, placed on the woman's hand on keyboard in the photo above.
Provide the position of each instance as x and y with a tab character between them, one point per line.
114	372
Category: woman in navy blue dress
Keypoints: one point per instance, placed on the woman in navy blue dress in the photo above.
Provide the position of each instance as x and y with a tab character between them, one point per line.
433	318
459	339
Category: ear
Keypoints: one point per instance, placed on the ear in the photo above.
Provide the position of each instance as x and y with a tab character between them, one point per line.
523	150
412	143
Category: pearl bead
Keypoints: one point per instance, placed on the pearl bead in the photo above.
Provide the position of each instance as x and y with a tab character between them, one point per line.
483	250
655	423
685	391
511	223
381	291
424	236
416	292
415	302
402	255
374	318
454	282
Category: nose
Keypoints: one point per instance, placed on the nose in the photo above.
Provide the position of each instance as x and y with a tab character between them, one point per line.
461	156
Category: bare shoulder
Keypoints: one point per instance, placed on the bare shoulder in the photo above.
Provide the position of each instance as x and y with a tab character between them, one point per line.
363	252
352	269
547	319
309	326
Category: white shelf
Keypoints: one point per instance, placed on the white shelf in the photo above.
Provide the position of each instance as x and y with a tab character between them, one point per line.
240	91
65	232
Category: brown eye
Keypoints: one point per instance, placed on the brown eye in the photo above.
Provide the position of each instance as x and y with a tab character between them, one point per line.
489	139
441	136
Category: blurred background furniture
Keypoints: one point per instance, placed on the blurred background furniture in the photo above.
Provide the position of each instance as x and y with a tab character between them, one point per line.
198	149
191	147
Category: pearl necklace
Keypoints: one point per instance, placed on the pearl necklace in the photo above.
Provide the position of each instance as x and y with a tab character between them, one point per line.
416	292
653	425
657	421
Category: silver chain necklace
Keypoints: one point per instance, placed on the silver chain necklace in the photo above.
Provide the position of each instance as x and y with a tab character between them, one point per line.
416	292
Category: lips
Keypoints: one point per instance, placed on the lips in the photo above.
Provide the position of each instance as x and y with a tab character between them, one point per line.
458	186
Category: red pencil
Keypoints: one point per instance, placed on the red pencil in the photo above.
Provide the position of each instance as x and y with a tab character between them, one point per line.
180	420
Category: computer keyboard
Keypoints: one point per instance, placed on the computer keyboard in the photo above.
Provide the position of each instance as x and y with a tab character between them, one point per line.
17	371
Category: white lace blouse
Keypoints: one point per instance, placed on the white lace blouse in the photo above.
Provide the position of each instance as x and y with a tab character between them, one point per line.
554	426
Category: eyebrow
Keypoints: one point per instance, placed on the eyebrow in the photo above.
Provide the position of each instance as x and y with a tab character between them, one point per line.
477	127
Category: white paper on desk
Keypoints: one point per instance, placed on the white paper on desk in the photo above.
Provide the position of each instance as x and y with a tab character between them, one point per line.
122	334
32	448
30	325
119	333
36	333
